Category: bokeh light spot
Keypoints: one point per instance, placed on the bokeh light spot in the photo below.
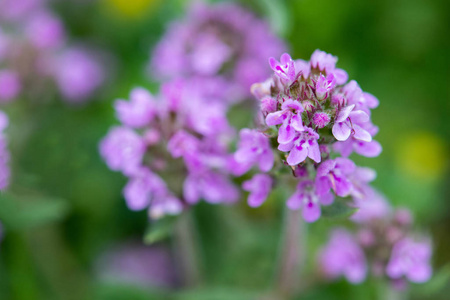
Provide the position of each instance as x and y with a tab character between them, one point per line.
422	155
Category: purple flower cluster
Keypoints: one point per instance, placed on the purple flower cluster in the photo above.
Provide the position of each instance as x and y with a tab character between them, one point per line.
179	136
34	49
207	62
383	245
310	114
217	40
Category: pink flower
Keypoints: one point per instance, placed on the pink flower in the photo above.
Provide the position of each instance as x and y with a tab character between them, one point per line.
342	256
290	118
45	31
306	199
254	148
78	75
182	144
147	190
303	145
259	187
326	62
139	111
411	259
285	68
349	122
324	85
213	187
335	174
123	150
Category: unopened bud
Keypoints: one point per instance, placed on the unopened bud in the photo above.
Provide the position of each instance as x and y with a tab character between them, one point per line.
321	119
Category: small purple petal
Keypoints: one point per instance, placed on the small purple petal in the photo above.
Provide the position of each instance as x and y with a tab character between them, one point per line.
341	131
311	212
297	155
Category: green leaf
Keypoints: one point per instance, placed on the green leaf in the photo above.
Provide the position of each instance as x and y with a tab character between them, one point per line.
338	210
159	230
25	212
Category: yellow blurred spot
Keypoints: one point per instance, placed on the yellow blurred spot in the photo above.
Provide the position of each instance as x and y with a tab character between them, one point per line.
131	9
422	155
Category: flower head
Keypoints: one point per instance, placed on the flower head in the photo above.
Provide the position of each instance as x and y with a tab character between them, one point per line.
217	40
309	111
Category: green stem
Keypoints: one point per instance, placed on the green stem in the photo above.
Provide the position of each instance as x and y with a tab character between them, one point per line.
186	250
291	255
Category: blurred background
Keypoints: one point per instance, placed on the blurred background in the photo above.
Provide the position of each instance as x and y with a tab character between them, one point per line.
68	233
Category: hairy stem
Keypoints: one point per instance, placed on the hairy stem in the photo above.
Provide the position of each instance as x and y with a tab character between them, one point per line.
292	253
186	250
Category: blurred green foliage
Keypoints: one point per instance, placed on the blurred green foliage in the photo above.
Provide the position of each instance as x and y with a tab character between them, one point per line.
65	207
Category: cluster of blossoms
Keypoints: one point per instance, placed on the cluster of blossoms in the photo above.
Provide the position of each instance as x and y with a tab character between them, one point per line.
221	40
383	245
34	51
310	114
183	135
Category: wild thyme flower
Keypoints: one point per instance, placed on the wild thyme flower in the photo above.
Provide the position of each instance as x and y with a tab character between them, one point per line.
311	115
217	40
174	147
410	259
384	244
34	47
78	74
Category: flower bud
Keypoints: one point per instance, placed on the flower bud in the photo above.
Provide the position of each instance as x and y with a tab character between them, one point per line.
268	105
308	105
338	100
321	119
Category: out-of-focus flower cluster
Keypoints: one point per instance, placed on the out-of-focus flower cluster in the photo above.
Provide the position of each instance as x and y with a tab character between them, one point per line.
35	51
179	136
312	120
174	146
223	41
383	244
